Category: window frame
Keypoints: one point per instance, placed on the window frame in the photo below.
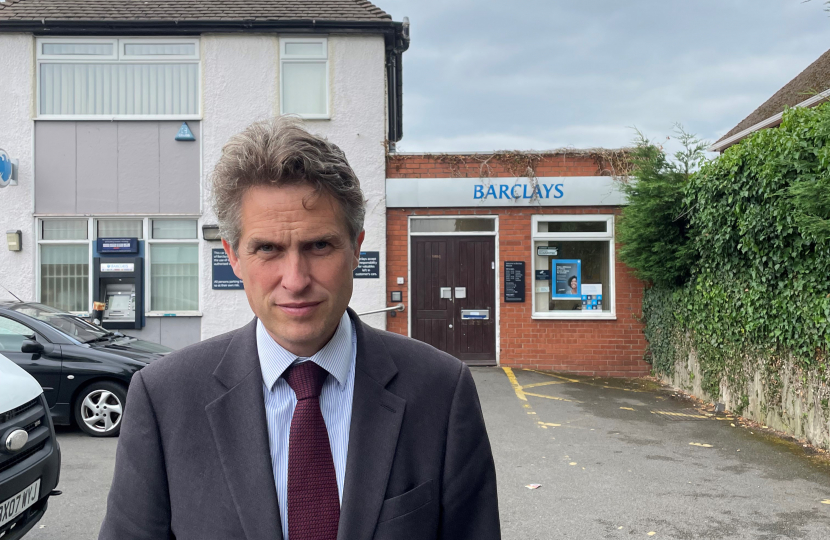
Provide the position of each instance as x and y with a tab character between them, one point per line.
148	279
292	58
39	258
92	236
116	58
608	236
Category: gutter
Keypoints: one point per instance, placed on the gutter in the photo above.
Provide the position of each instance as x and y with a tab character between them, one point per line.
772	121
396	38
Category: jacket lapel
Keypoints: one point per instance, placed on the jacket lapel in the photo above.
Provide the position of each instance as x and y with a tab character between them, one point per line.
240	431
377	415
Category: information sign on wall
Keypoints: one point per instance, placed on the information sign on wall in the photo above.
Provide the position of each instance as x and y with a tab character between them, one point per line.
369	265
117	245
514	281
223	276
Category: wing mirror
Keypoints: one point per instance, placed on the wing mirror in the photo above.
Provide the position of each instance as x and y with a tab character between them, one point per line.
32	346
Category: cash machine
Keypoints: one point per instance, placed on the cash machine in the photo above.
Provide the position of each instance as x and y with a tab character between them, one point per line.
118	282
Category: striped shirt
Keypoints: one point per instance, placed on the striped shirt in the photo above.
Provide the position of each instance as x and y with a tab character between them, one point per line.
338	358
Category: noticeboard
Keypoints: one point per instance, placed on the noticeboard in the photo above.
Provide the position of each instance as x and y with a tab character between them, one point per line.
369	265
514	281
223	276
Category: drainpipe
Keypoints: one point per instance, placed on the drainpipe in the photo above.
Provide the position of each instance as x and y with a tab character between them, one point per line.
395	47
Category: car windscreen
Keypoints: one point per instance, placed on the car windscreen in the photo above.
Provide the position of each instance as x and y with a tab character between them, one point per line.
67	323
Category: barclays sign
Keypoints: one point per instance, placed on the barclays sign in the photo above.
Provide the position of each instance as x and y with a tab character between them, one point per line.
503	192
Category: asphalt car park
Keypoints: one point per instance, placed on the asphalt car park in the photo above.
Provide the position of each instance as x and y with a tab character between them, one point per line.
612	458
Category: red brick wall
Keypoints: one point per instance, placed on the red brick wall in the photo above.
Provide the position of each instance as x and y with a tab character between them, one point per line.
602	348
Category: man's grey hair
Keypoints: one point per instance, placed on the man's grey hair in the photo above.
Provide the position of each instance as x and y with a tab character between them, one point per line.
280	152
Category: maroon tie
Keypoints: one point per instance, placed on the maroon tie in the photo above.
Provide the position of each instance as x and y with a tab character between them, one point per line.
313	501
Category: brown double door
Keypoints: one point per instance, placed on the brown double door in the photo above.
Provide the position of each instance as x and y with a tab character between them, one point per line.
453	295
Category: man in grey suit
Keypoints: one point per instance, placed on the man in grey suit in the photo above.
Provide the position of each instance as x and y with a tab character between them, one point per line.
305	424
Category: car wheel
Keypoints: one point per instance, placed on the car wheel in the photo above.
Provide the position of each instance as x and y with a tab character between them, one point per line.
99	407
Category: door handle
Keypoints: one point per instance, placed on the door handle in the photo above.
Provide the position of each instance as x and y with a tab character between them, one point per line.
450	326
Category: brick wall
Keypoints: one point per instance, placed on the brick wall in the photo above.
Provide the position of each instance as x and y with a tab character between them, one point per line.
601	348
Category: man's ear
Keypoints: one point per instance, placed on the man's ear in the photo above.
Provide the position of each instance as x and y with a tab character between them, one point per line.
360	238
233	258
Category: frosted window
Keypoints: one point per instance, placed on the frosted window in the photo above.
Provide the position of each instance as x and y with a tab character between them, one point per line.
119	89
93	49
180	229
64	276
174	277
159	49
121	228
304	49
453	225
64	229
304	88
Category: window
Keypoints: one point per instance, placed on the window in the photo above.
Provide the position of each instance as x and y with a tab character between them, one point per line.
174	265
171	261
64	264
452	225
12	335
118	78
304	70
573	266
120	228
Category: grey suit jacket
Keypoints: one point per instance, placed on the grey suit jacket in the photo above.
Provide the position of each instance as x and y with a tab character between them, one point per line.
193	461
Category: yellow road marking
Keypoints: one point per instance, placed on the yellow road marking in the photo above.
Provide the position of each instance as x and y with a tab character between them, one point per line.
516	386
667	413
551	397
626	408
552	375
825	501
702	445
534	385
549	424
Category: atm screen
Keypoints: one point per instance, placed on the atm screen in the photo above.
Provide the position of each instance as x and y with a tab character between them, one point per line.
119	302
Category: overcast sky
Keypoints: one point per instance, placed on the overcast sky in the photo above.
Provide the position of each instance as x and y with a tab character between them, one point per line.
485	75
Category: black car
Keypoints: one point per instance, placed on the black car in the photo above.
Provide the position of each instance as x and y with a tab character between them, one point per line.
84	369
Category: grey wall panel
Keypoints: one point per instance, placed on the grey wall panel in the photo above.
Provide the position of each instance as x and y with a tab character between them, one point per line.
138	167
116	167
178	332
55	167
150	332
97	191
173	332
179	169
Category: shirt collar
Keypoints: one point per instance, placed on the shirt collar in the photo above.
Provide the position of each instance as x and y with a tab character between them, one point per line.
335	356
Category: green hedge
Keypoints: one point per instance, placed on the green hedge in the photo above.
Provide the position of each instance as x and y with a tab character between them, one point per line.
759	276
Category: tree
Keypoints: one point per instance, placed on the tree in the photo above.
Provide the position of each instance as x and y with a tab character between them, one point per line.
654	228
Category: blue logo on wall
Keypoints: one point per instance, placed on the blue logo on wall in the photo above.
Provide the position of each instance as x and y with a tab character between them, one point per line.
6	169
184	133
518	191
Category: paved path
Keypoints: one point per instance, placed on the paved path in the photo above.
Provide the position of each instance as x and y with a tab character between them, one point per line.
613	462
624	461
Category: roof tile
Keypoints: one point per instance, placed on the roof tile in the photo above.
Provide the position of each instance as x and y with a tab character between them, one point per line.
811	81
197	10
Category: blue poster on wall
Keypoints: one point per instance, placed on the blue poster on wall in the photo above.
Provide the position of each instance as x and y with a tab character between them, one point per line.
567	276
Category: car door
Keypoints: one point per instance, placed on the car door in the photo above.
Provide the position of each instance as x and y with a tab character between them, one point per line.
45	367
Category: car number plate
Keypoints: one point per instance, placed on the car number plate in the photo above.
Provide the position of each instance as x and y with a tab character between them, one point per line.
11	508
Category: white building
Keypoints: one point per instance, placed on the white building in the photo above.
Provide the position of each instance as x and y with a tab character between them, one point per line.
93	103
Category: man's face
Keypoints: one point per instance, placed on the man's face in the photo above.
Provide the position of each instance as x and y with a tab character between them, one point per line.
296	264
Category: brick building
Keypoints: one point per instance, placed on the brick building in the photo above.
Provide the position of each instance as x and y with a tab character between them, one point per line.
496	267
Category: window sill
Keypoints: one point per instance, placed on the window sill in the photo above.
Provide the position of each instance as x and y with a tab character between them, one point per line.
173	314
573	317
112	118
